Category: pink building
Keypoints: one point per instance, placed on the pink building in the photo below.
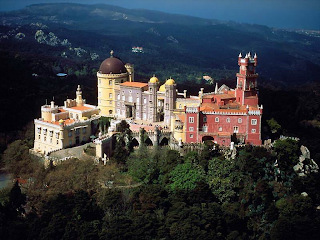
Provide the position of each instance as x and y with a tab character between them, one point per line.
228	113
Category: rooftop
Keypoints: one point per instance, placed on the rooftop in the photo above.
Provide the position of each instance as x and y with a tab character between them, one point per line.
134	84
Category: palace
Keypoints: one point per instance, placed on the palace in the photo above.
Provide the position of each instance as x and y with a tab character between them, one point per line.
215	116
222	116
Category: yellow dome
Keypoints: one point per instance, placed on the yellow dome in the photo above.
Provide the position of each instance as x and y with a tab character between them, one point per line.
154	79
61	121
162	88
170	82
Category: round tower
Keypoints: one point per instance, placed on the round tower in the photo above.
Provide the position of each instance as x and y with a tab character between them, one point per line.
169	100
112	72
153	101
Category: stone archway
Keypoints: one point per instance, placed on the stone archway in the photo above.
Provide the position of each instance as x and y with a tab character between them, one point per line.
148	142
207	138
164	142
134	143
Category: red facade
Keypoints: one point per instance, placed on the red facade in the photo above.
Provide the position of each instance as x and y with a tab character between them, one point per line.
229	115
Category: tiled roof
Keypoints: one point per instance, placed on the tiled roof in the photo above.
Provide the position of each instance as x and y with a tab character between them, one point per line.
134	84
81	108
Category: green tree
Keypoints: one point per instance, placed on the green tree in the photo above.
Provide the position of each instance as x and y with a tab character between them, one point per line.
274	125
223	178
186	176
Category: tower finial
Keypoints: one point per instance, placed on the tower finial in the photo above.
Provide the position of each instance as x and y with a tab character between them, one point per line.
216	89
240	55
111	53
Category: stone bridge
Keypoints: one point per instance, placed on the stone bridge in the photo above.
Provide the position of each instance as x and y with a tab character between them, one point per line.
154	137
151	137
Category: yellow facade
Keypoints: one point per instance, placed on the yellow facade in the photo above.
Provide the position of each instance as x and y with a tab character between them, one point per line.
64	126
106	91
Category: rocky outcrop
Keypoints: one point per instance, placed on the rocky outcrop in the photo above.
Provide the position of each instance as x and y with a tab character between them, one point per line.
306	165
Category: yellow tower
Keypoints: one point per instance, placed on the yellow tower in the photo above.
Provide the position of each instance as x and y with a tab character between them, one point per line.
112	72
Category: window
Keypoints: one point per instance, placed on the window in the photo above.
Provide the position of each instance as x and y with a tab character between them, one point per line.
130	98
253	131
191	129
50	133
144	101
57	135
216	119
70	142
84	139
77	131
110	82
57	142
84	130
110	95
205	128
220	129
45	138
228	120
204	119
236	129
123	97
39	130
44	131
191	135
118	96
70	133
254	121
138	99
39	137
191	119
50	140
180	106
239	120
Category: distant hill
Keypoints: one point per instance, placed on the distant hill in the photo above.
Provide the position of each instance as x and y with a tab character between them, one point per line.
78	37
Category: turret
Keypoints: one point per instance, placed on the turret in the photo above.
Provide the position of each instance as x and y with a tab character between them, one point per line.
255	60
130	70
79	99
153	87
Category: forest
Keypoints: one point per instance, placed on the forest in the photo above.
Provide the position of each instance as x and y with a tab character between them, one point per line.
156	193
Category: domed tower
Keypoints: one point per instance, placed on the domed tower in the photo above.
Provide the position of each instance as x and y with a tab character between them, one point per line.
111	73
169	100
153	87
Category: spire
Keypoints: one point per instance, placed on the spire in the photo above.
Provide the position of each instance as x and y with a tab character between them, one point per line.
255	55
249	55
79	99
216	89
240	55
246	55
247	107
111	53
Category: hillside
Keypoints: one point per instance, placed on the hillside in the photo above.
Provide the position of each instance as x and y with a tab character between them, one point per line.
174	45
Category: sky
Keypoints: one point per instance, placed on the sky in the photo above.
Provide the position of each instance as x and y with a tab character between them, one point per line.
293	14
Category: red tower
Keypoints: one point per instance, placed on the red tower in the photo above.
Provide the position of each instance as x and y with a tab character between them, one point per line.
246	90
